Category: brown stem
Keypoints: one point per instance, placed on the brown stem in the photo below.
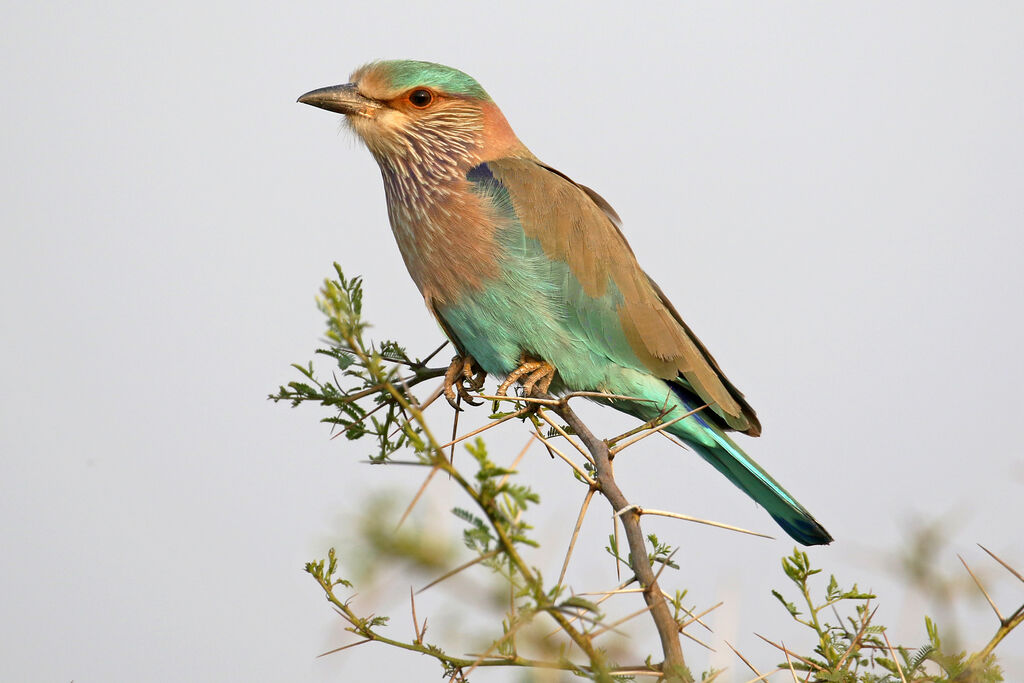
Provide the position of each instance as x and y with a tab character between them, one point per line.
674	668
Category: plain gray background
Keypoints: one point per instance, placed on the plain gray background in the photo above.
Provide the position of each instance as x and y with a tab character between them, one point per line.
831	193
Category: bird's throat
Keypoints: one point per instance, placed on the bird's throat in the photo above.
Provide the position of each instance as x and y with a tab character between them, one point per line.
445	232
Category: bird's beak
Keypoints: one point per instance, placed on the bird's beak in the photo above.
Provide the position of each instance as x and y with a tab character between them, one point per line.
344	99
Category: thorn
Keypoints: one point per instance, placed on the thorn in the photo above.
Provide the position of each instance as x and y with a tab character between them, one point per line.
415	625
551	448
519	458
466	565
698	641
688	518
655	430
696	619
490	425
790	662
982	589
562	432
433	353
665	563
623	620
423	487
763	677
575	534
892	653
743	659
780	647
345	647
455	432
615	548
1008	567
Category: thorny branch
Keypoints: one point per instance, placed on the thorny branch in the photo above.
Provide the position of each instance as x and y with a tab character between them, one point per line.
579	620
668	629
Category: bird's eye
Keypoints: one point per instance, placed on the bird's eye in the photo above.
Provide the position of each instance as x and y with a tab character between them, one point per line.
421	98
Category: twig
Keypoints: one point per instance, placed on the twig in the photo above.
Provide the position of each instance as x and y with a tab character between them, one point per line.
860	634
675	665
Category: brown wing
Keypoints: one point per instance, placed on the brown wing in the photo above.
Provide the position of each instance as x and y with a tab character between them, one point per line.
575	225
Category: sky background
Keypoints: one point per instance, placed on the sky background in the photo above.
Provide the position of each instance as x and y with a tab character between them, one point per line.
831	193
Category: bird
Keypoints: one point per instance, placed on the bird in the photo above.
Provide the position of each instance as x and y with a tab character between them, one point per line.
529	274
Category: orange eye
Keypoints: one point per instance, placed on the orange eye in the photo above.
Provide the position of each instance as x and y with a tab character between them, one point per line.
421	98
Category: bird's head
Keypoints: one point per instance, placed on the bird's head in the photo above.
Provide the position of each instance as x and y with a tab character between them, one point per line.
420	117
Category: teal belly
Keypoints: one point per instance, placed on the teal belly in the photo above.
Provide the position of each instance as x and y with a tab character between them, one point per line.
537	307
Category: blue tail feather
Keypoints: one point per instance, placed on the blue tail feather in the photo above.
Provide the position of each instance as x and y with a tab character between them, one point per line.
712	444
750	478
704	434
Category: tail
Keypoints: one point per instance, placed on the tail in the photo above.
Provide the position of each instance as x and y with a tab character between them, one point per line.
749	477
702	433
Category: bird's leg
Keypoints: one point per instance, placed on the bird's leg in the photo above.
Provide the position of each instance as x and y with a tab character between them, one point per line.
460	377
474	375
538	376
539	380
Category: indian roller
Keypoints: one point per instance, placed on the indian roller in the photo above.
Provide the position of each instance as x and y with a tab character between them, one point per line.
528	272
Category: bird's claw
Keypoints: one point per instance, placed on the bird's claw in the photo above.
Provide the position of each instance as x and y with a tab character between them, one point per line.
461	378
536	376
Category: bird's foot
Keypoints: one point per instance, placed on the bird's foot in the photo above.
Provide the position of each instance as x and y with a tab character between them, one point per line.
462	377
536	376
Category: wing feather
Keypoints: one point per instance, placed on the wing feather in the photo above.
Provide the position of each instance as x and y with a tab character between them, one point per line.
577	226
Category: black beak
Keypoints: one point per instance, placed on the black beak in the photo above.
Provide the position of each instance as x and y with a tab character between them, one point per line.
344	99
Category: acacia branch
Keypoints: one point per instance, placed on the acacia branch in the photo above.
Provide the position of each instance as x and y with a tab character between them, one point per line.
507	545
674	667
